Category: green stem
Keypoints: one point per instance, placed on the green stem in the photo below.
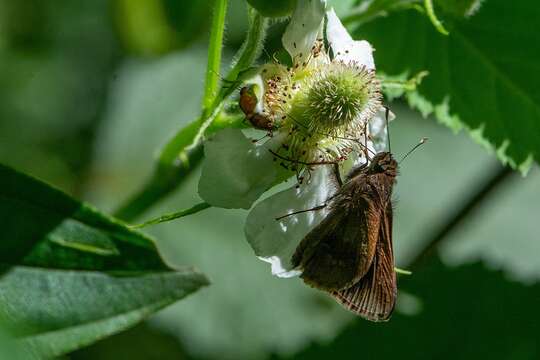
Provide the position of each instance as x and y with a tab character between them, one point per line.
189	137
165	180
184	151
182	139
214	53
250	49
176	215
428	4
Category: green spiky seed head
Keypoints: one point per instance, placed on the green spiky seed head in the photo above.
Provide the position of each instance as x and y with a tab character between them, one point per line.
336	98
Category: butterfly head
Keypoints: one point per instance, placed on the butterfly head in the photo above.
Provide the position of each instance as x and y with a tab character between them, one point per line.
383	162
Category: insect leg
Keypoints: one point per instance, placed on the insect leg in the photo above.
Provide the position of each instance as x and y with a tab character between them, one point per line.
302	162
257	140
366	154
302	211
337	175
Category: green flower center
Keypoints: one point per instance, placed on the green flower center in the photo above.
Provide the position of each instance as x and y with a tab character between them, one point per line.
321	110
335	98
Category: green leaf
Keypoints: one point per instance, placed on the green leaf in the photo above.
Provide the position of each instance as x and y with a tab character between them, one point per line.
468	312
42	226
53	312
10	350
483	76
71	275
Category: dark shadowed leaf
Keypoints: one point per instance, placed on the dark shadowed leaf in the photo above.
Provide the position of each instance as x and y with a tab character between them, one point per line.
143	342
468	312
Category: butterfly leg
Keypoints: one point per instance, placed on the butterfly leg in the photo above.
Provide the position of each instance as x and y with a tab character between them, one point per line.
366	153
338	175
322	162
257	140
302	211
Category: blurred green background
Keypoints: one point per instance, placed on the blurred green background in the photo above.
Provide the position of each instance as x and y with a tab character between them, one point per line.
89	90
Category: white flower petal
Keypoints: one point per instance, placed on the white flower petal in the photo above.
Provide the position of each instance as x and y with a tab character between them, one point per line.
304	26
344	47
275	241
235	171
378	130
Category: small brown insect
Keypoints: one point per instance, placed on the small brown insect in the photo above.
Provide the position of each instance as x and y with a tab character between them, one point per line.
349	254
248	103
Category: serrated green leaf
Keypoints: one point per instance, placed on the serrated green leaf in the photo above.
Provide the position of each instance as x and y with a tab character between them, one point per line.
483	76
70	275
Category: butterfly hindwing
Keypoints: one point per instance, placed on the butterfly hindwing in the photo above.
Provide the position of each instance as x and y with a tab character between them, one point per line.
374	296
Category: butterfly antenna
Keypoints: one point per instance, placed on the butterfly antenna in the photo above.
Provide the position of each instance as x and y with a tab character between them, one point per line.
422	142
386	115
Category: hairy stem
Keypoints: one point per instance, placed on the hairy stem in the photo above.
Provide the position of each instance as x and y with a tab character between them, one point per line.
184	151
214	53
164	181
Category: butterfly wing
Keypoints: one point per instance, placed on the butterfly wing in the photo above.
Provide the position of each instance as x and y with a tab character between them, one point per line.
374	296
338	252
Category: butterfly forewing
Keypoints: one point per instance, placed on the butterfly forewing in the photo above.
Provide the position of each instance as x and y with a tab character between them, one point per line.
339	251
374	296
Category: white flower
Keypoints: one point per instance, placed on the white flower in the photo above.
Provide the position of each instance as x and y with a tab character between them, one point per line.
344	47
275	241
305	26
326	108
